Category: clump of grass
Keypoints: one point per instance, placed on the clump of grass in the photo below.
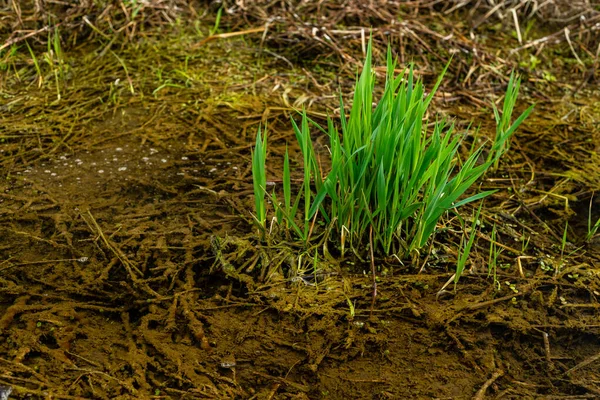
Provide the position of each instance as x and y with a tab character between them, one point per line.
389	173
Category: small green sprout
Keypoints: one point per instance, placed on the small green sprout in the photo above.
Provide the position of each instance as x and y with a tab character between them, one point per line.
259	176
504	128
493	258
591	229
465	248
215	28
512	287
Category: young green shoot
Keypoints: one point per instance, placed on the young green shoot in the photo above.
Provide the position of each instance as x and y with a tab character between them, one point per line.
591	229
524	242
215	28
36	64
564	240
126	71
56	47
493	257
54	59
8	57
465	248
259	177
504	128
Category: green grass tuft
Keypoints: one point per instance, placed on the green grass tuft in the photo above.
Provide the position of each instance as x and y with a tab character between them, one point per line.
388	171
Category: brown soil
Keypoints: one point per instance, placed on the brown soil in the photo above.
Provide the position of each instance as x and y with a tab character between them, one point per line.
130	268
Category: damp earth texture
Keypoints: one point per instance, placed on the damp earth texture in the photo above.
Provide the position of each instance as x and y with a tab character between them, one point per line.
131	262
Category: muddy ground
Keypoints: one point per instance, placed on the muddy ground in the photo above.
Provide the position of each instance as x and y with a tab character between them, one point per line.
129	263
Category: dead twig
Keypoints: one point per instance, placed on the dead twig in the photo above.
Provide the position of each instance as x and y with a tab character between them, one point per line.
10	42
227	35
480	395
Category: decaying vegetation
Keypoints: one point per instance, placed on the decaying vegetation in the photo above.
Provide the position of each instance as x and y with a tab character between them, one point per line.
129	263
